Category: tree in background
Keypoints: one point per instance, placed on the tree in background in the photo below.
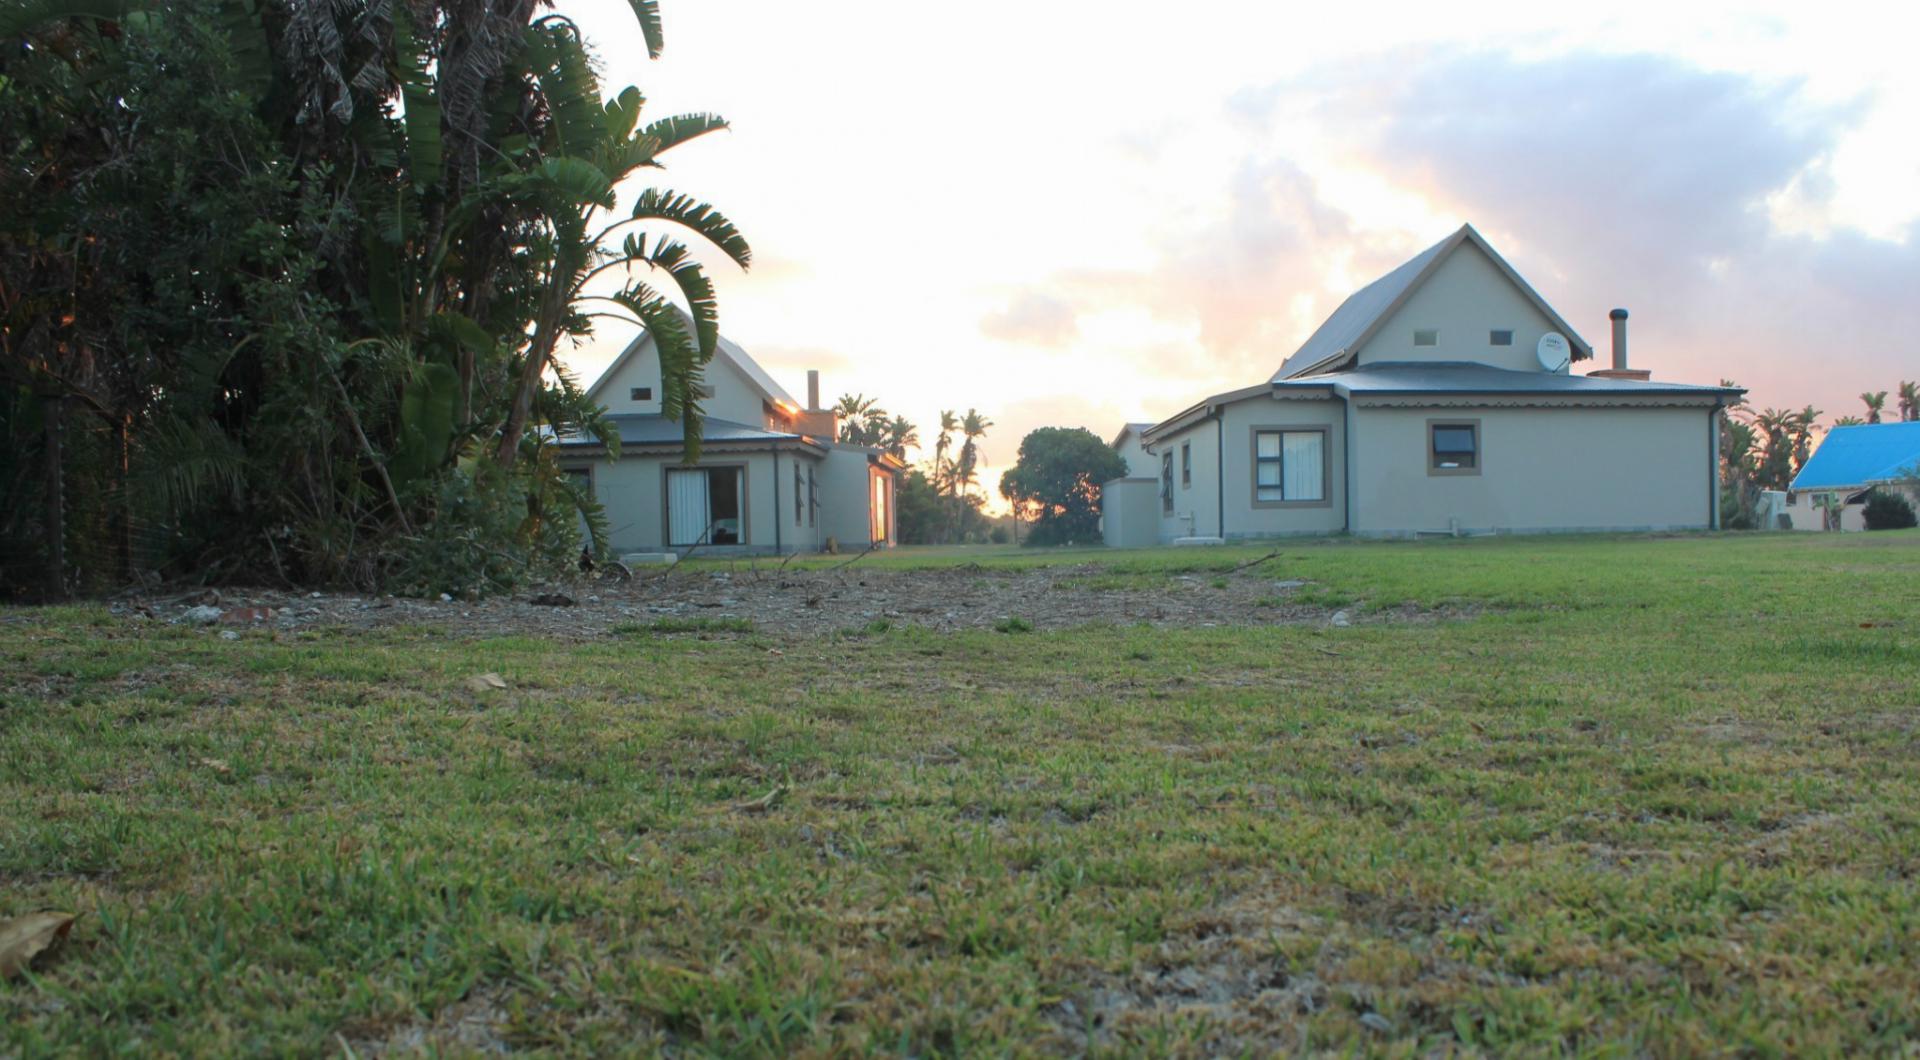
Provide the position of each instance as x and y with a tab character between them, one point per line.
1775	465
897	436
1909	401
1739	494
1875	400
966	467
1848	421
1056	483
1802	427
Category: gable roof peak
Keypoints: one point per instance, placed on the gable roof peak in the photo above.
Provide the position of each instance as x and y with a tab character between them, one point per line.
1342	334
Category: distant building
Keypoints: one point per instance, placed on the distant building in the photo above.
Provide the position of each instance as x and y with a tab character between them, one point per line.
771	477
1436	400
1850	462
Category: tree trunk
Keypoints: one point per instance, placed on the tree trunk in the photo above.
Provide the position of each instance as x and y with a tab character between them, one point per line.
124	561
56	502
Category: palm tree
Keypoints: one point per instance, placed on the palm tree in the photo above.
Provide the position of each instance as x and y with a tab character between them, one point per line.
1804	422
900	436
1776	457
1875	400
1848	421
589	149
855	411
1909	401
942	466
973	428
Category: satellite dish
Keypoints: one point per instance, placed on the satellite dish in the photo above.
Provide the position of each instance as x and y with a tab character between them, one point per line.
1554	353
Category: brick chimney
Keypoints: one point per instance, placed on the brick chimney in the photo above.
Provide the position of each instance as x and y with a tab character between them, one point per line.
815	421
1620	369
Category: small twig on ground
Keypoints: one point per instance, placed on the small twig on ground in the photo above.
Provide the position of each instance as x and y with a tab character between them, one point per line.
1326	651
836	568
1255	563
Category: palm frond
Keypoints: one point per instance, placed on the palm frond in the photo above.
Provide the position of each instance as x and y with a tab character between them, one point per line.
673	258
669	133
647	13
689	212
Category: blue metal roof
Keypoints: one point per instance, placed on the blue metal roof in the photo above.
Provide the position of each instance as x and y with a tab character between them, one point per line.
1861	455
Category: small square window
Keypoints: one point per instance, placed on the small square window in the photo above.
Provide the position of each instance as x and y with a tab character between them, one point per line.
1454	448
641	393
1500	338
1426	337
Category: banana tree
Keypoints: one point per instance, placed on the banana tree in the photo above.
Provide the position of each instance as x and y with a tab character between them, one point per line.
583	240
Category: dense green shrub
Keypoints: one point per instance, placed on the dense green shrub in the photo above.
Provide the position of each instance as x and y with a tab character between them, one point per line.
1886	510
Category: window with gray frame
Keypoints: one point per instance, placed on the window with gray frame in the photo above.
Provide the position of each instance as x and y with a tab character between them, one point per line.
813	500
1166	483
1186	464
641	393
1501	337
1426	337
1290	466
1454	446
799	496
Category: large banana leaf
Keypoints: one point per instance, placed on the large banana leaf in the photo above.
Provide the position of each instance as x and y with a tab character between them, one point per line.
426	422
420	102
560	64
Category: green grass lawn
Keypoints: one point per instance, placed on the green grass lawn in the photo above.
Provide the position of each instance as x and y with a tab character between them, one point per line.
1627	796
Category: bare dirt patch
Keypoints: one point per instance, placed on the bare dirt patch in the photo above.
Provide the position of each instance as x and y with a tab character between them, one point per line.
768	599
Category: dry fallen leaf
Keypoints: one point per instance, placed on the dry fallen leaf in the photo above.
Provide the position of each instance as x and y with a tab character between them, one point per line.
218	765
484	682
24	937
764	802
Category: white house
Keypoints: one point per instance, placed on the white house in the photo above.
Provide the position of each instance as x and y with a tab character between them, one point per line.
1436	400
770	478
1831	490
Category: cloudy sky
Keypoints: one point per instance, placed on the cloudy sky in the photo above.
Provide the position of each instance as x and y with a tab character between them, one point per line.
1081	213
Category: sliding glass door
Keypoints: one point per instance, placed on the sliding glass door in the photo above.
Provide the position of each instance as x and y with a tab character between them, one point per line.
706	506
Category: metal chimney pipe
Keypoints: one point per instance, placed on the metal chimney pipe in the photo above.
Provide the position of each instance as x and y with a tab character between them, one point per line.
813	388
1619	317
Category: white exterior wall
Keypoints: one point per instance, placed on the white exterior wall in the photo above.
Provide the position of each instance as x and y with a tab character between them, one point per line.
1249	518
734	398
847	477
1130	512
1807	514
633	491
1615	468
1195	499
1464	299
1140	463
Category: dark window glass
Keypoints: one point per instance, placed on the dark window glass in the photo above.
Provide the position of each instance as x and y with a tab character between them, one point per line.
1455	446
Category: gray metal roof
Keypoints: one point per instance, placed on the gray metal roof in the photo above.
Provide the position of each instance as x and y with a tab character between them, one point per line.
755	374
1468	377
1364	310
643	429
1357	314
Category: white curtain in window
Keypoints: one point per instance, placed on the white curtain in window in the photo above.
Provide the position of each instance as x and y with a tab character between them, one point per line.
1304	459
687	509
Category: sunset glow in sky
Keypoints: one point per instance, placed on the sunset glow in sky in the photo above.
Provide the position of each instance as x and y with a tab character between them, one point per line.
1080	214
